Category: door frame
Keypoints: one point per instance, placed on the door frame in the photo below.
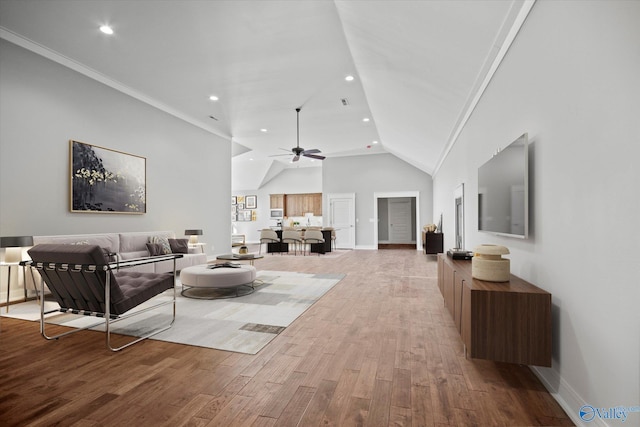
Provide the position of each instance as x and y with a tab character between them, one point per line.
327	213
392	194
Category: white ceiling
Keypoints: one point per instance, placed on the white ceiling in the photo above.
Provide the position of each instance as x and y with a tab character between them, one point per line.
418	66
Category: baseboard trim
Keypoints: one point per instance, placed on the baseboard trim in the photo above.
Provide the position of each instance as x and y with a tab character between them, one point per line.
565	395
396	245
367	247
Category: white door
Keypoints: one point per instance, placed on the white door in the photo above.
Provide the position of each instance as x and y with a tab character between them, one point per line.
399	221
342	216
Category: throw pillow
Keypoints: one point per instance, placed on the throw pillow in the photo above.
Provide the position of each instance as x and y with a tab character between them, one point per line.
164	241
155	249
179	246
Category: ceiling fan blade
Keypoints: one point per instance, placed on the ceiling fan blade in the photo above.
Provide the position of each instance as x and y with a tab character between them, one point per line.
312	151
295	158
313	156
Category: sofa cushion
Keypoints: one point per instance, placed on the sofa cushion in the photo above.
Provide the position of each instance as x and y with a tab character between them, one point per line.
162	240
134	255
155	249
179	246
137	241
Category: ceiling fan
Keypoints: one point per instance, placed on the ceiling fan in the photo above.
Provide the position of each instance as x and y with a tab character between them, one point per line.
297	150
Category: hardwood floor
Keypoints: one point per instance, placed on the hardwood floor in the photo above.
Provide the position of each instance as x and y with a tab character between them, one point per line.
378	349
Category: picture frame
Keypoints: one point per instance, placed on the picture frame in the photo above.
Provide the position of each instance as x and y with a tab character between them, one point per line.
244	215
240	206
251	202
103	180
234	200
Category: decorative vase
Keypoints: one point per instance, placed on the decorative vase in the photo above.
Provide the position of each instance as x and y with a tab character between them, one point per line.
487	263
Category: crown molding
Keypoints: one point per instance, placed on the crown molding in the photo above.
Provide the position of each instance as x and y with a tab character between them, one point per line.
54	56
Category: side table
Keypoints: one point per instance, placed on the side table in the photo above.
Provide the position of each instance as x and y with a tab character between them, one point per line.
9	265
433	243
198	245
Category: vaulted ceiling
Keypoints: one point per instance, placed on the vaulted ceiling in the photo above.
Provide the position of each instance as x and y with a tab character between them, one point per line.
418	66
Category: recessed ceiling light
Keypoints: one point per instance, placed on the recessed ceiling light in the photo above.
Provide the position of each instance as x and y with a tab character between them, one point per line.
106	29
213	98
375	142
263	130
251	159
349	78
366	119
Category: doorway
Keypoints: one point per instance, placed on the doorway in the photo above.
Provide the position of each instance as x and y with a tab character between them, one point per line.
396	222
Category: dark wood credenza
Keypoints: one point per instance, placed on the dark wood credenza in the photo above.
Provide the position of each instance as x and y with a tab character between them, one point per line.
501	321
432	243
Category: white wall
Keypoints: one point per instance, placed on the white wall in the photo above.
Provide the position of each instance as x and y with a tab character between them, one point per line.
376	173
572	81
43	105
289	181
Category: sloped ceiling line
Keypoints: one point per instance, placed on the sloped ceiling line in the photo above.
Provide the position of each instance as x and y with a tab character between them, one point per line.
495	57
275	169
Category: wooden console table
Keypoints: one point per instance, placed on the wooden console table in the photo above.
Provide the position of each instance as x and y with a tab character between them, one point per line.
502	321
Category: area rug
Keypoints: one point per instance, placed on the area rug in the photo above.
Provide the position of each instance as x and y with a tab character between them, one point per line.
245	324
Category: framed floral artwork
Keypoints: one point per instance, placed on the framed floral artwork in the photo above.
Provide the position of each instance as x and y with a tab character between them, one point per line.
106	181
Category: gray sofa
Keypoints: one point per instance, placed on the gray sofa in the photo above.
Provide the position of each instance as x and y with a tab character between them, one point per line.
130	246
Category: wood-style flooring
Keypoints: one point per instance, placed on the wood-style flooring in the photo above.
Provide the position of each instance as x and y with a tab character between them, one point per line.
378	349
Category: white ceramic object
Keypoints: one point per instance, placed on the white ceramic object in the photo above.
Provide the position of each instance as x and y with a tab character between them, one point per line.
487	263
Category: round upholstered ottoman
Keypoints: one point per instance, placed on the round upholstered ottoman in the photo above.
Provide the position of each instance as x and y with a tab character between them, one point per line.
212	281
